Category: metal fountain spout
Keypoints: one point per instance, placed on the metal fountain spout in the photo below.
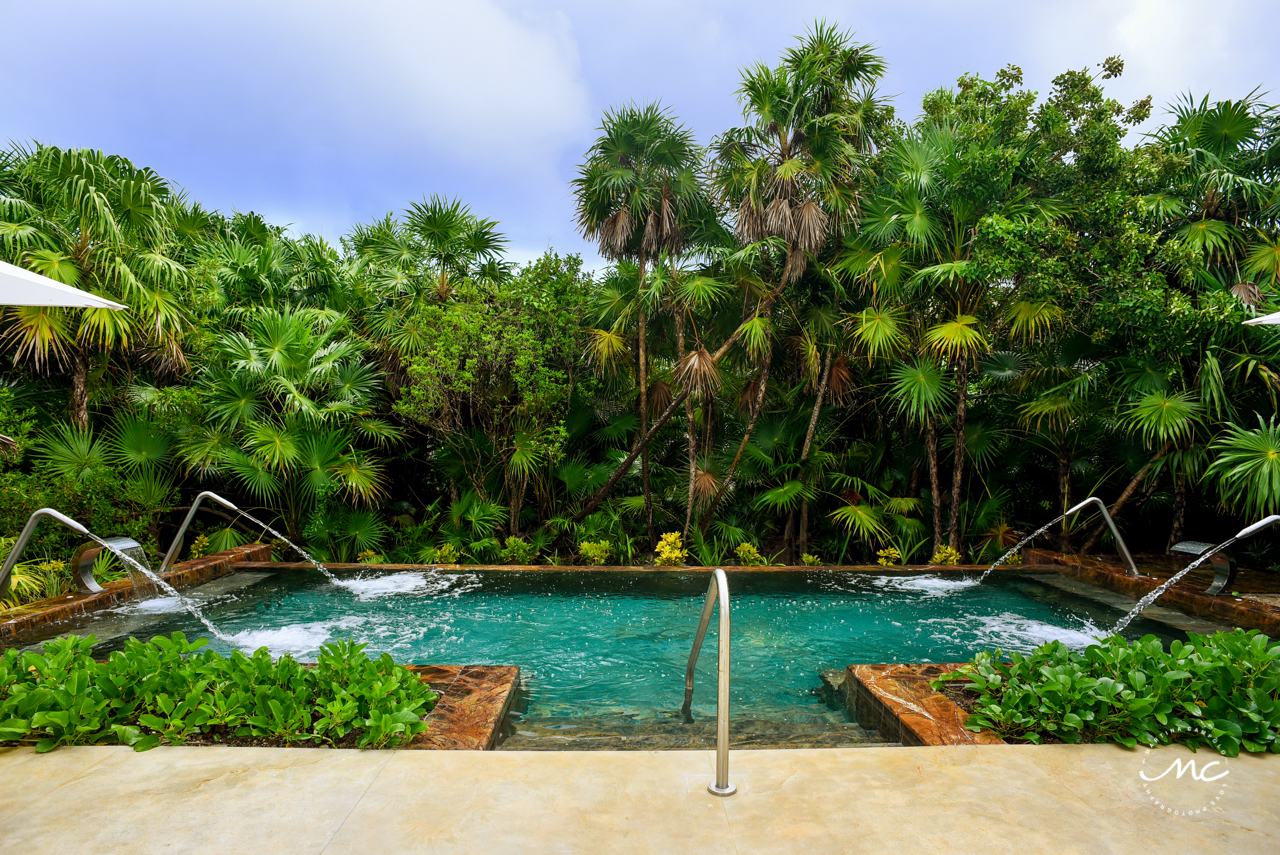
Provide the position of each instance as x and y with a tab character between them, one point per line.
1092	500
1120	545
1250	531
86	576
1205	555
172	554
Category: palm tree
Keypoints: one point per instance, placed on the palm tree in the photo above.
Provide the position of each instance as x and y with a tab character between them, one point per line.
400	265
635	191
102	224
291	404
921	390
918	244
793	174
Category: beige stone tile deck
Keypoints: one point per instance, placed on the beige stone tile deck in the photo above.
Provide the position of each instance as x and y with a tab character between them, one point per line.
962	799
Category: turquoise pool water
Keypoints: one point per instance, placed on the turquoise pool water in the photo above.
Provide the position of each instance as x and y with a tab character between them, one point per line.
615	644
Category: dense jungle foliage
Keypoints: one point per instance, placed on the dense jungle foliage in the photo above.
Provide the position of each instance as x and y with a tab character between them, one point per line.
829	333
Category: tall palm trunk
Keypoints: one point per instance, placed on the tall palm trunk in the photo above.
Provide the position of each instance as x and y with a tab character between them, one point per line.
519	486
935	489
957	471
690	431
756	406
766	305
1179	509
644	405
1064	491
808	445
78	405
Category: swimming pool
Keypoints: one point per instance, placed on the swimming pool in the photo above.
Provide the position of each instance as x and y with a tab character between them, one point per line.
614	644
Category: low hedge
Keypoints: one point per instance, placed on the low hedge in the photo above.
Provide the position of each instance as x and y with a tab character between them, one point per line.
170	691
1221	690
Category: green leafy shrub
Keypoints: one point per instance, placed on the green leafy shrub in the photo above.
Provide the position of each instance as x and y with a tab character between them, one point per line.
369	556
280	549
30	581
748	555
518	551
200	547
671	551
445	553
810	560
169	691
1222	690
888	557
597	553
945	556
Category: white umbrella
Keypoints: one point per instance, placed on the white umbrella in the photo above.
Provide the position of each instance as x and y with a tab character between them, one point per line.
1261	320
20	287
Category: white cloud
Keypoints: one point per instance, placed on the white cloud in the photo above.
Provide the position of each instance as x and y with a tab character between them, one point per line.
467	79
1169	47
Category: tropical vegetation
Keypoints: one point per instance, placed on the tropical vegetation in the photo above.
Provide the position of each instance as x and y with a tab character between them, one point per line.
1220	690
830	334
168	691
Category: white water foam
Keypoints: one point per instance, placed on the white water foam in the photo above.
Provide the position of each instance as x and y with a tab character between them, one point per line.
929	586
1012	632
156	606
297	639
429	582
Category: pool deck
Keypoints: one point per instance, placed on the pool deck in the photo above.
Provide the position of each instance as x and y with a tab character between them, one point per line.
961	799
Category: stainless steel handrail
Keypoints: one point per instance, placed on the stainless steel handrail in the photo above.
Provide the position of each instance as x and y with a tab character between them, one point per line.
717	591
1124	550
172	554
86	577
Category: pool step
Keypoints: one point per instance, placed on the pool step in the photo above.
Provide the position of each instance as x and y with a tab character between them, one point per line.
611	734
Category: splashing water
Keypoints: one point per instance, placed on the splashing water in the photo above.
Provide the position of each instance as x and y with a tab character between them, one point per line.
145	588
162	585
927	586
1003	558
298	549
1155	594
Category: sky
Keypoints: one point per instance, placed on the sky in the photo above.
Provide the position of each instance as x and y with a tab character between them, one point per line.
320	114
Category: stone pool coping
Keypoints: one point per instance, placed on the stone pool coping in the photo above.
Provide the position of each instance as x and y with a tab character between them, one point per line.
897	700
473	705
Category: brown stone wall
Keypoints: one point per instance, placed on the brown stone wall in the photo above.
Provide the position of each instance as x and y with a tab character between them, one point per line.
898	701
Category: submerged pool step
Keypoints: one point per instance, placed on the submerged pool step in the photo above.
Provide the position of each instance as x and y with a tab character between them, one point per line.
604	734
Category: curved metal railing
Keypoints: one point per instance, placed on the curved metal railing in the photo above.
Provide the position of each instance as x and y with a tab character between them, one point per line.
717	592
86	576
172	554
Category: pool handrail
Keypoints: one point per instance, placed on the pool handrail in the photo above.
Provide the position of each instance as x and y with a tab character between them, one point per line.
1111	524
717	592
172	554
86	577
